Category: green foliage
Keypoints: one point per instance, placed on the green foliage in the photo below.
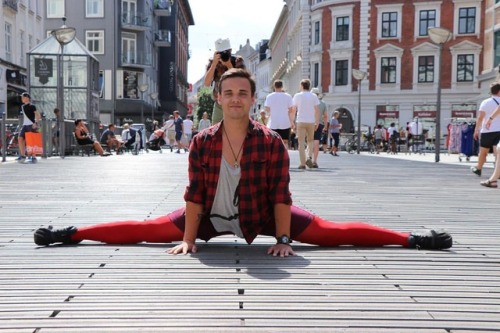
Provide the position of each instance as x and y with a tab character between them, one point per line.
205	102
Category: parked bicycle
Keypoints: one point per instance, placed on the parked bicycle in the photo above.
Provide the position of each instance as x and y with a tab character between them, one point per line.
351	145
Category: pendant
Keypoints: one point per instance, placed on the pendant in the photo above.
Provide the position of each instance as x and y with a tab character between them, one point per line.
236	165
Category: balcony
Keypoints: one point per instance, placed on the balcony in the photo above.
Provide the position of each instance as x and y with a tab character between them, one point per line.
163	38
136	21
162	8
136	59
12	4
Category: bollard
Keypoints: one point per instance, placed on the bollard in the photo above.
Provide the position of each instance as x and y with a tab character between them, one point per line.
2	130
43	128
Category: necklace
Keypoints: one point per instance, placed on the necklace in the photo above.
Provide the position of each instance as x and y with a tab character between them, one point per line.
236	164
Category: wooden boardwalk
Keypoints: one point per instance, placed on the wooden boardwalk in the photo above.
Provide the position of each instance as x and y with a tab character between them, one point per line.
232	287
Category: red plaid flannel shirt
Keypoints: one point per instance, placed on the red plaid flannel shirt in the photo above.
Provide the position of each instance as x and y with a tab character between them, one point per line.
264	179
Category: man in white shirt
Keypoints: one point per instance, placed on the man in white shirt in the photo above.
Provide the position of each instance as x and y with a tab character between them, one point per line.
306	106
488	136
279	107
188	129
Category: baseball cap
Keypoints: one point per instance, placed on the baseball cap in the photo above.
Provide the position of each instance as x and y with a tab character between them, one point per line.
25	94
222	45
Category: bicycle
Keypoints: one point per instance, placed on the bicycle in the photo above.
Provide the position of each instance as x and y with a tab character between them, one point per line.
350	145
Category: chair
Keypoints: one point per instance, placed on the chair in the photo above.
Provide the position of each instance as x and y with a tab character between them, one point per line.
82	149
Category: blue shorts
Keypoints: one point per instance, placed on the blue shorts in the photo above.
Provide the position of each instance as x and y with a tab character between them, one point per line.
178	136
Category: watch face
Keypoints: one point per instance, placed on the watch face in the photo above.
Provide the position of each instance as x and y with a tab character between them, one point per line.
284	240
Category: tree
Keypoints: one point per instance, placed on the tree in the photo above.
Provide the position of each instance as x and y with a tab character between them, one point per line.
205	102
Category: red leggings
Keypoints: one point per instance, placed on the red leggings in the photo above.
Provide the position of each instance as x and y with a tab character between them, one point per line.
306	228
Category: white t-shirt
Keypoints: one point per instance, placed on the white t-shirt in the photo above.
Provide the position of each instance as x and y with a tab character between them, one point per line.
169	125
488	106
279	103
188	126
416	128
305	102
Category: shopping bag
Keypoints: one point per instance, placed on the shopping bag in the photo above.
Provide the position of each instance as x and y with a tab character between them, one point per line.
34	143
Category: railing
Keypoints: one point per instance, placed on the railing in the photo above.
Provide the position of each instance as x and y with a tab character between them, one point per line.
163	38
136	59
162	8
133	19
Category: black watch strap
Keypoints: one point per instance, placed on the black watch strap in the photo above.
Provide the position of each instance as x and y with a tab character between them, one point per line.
283	239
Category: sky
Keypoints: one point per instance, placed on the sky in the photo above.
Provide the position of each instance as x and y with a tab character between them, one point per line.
234	19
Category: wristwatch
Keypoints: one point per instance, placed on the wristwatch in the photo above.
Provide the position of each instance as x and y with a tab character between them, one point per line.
283	239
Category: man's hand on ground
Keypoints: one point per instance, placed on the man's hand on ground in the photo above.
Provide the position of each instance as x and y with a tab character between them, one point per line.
282	250
184	248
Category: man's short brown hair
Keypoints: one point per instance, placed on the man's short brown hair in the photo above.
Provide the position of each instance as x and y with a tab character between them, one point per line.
278	84
306	84
495	87
238	72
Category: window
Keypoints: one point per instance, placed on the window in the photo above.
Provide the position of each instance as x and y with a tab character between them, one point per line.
425	69
465	67
342	28
95	41
497	48
8	41
94	8
317	33
55	8
427	20
467	20
316	75
129	49
389	24
341	72
388	70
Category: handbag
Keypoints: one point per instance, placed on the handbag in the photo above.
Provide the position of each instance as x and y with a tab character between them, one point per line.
34	144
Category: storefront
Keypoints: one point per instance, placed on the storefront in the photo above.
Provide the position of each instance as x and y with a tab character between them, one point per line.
387	114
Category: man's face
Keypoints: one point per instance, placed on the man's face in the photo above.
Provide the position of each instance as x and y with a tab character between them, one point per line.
236	97
25	99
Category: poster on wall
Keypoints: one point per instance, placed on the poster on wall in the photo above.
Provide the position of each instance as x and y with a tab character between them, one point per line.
463	112
388	114
426	115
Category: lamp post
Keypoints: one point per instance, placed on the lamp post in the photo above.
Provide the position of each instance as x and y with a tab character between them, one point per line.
439	36
153	96
142	89
360	76
64	35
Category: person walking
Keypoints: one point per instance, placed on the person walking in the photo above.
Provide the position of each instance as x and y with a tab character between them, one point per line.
204	122
31	117
493	180
279	106
488	137
322	126
169	128
306	107
334	128
188	125
179	131
228	163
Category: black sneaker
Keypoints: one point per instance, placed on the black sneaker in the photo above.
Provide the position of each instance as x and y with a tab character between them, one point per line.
47	236
430	240
476	171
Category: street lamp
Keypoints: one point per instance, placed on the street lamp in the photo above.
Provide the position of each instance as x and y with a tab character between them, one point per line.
64	35
153	96
360	76
142	89
439	36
